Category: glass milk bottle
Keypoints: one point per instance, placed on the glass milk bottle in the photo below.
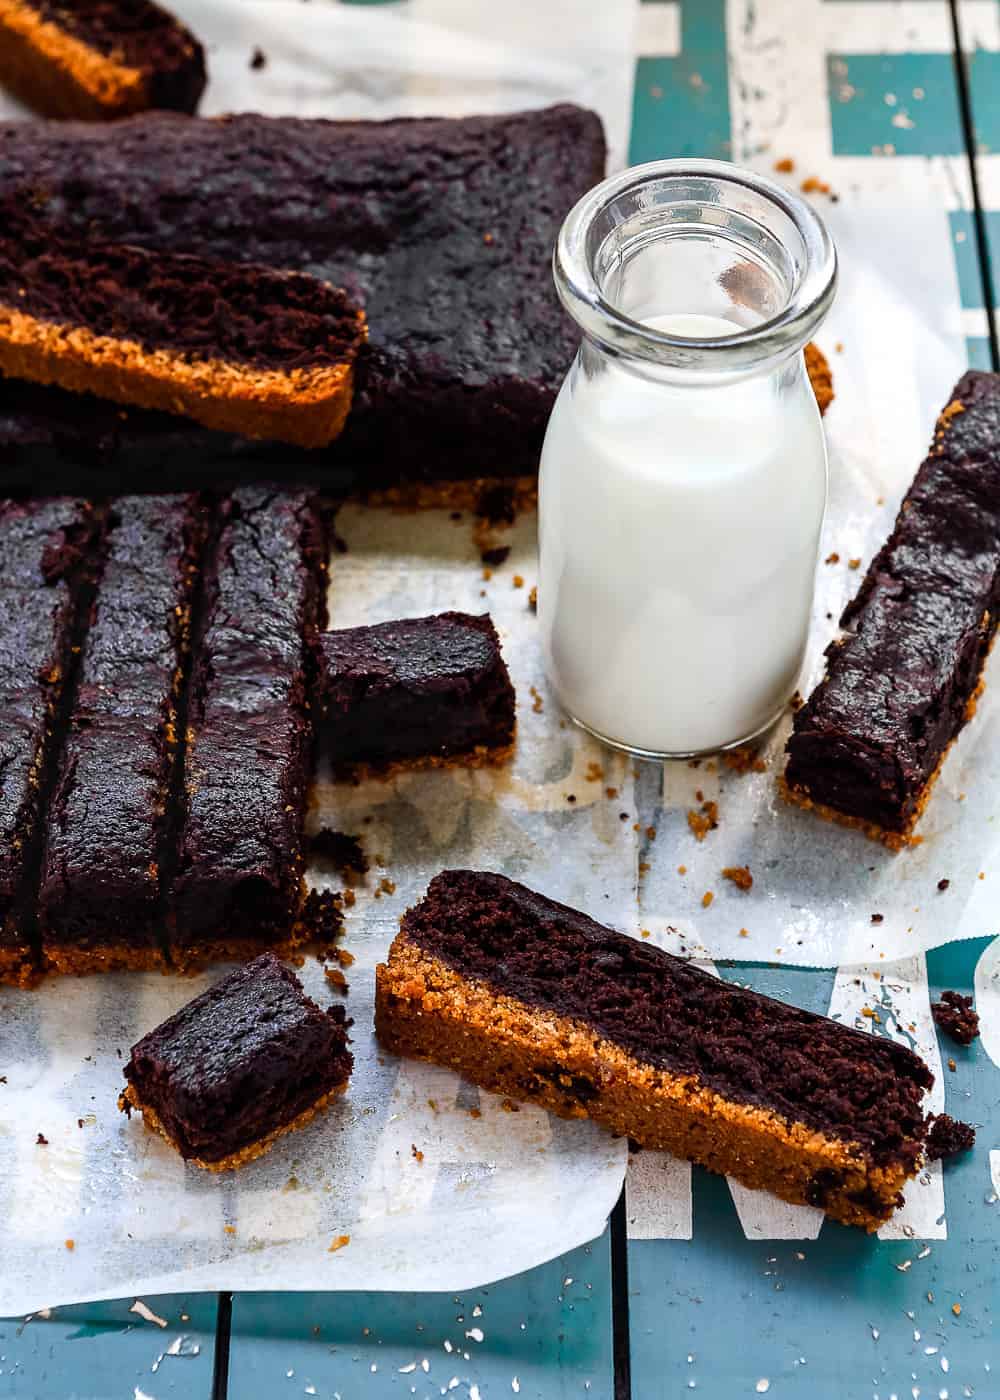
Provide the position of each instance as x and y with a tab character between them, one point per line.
683	476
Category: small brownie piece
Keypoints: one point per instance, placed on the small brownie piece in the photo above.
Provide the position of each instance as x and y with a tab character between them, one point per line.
442	228
248	1060
431	689
99	891
236	347
955	1015
903	680
42	548
948	1137
239	882
98	58
532	999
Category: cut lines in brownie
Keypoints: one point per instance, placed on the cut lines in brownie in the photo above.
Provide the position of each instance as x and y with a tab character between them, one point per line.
43	592
99	895
532	999
98	58
903	678
237	348
249	748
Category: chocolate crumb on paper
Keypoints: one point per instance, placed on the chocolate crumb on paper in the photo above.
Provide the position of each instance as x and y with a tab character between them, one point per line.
954	1014
703	821
948	1137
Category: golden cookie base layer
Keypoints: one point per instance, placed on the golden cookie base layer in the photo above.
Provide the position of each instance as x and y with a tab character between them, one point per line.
72	961
463	495
61	76
820	376
151	1120
425	1009
306	407
479	757
17	968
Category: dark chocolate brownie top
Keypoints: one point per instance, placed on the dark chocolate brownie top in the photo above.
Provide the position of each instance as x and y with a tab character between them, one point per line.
251	316
249	766
105	829
670	1014
42	544
448	651
899	681
443	229
253	1031
135	33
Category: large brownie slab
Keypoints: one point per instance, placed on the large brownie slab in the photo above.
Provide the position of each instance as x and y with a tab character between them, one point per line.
531	998
443	229
100	883
420	689
42	545
902	679
243	1063
249	751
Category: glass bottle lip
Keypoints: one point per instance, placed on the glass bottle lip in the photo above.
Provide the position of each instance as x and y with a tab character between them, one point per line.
809	297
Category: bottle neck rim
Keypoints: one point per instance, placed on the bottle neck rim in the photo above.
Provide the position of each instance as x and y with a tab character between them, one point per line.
692	198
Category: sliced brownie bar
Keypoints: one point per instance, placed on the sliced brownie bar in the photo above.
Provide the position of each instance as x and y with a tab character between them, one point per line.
248	1060
903	679
100	881
424	689
249	751
98	58
236	347
532	999
42	546
443	229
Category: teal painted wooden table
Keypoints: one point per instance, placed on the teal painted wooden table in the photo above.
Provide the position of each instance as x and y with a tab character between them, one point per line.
686	1290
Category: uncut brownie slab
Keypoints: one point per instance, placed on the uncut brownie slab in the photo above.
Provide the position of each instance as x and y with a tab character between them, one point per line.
42	546
422	689
107	825
902	680
442	229
249	750
530	998
98	58
236	347
248	1060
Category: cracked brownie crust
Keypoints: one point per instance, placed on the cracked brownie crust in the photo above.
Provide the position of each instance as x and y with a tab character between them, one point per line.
903	679
530	998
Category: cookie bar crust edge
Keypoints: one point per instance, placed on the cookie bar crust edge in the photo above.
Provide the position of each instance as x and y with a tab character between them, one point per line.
426	1010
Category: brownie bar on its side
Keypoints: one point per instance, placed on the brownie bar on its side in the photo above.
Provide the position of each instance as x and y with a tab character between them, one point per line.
41	548
248	1060
99	891
902	681
236	347
442	229
427	689
530	998
239	881
98	58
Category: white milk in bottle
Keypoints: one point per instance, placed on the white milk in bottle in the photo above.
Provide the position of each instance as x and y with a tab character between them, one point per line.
682	494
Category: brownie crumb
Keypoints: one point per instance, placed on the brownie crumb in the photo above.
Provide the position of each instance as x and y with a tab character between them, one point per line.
496	556
949	1136
701	823
70	1244
321	915
739	875
418	1155
345	958
336	978
877	918
41	1140
258	59
343	852
943	885
955	1016
854	563
706	899
338	1243
533	599
833	558
744	760
812	184
785	165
